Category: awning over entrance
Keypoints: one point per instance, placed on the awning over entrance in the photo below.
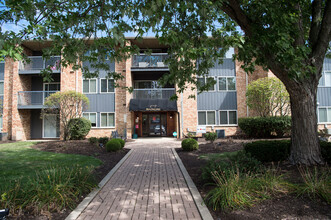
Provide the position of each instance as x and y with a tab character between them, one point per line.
152	105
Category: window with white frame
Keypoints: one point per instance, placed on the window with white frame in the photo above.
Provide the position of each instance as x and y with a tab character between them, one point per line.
325	79
227	83
107	119
89	85
107	85
206	117
92	117
202	81
228	117
1	87
324	115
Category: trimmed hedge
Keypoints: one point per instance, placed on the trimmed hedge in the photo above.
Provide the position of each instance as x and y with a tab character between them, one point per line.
267	151
190	144
93	140
103	140
122	142
211	136
113	145
265	127
79	128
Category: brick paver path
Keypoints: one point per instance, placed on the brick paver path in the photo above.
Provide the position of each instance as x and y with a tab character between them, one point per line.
148	185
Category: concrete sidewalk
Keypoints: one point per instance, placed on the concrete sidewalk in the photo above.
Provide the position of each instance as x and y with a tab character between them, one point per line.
148	185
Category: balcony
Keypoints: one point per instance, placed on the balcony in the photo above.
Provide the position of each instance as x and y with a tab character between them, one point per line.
153	61
32	99
164	93
37	63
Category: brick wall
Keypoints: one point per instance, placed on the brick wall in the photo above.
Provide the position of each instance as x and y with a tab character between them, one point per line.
100	132
71	79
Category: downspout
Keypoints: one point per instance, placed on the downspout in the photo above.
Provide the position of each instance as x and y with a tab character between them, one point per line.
182	115
247	111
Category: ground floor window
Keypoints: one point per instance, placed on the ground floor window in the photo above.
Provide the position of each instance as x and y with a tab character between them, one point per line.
228	117
324	114
51	126
107	119
92	116
206	117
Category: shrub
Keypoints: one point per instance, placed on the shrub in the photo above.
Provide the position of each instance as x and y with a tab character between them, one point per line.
122	142
190	144
79	128
211	136
265	127
267	151
113	145
326	151
93	140
103	140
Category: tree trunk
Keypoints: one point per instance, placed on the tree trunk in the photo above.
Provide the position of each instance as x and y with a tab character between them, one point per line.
305	148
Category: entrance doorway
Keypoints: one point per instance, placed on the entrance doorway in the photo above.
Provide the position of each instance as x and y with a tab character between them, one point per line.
154	124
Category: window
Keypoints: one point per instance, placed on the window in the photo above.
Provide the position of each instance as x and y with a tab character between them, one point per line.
107	85
206	118
107	119
325	79
228	117
1	122
89	86
227	83
1	87
324	115
202	81
92	117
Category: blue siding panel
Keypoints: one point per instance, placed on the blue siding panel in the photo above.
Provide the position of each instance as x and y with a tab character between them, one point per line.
324	96
217	101
327	64
227	68
101	102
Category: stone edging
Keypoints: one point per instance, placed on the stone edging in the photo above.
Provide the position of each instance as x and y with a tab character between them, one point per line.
203	210
79	209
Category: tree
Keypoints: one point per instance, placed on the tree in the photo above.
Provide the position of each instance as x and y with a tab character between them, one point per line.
288	37
67	105
268	97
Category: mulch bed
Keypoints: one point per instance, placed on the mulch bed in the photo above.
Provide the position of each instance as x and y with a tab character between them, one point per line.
109	159
282	207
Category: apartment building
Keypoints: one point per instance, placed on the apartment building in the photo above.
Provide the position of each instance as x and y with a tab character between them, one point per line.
145	112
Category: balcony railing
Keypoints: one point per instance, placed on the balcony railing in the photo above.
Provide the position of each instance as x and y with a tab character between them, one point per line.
164	93
37	63
155	60
34	99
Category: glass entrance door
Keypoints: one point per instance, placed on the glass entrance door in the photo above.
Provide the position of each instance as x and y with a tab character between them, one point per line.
51	128
154	124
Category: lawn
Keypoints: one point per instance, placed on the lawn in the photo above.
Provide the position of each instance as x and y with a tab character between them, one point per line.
19	161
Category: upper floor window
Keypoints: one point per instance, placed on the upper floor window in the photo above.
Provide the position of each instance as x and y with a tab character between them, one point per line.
324	115
1	87
89	86
202	81
206	117
325	79
227	83
92	117
107	85
228	117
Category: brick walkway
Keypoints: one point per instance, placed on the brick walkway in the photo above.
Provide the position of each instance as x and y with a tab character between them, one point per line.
148	185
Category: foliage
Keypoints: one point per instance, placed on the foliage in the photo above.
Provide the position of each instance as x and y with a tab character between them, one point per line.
79	128
67	105
103	140
122	142
268	151
113	145
52	189
326	151
316	183
239	160
268	97
236	190
93	140
265	127
211	136
190	144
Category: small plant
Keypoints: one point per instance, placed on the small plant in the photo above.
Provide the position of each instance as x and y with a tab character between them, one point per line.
113	145
93	140
211	136
316	183
103	140
190	144
79	128
122	142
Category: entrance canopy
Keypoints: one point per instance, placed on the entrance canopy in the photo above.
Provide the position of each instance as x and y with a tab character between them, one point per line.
152	105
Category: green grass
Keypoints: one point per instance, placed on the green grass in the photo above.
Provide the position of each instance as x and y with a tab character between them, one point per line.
19	161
